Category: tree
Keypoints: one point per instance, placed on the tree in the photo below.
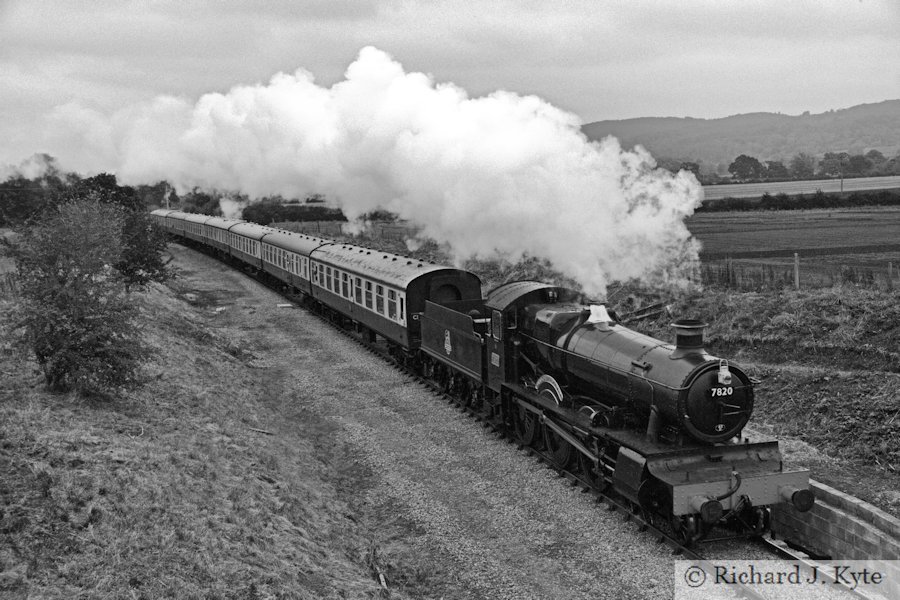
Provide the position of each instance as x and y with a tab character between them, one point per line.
775	169
76	317
858	165
143	243
875	156
746	167
802	166
833	163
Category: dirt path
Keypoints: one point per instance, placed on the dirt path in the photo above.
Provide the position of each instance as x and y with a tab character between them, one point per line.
452	511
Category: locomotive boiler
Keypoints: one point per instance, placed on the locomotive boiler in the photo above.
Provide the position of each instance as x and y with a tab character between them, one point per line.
676	391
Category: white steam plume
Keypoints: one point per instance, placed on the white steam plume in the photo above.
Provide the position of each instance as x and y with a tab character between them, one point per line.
35	166
500	175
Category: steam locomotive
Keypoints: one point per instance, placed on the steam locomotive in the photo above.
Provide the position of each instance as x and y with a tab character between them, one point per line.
660	424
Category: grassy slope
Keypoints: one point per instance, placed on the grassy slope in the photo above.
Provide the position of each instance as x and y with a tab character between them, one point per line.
169	492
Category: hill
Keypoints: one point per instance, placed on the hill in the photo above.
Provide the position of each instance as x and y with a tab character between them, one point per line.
766	136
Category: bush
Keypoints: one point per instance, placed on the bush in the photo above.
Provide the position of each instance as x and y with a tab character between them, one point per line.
76	316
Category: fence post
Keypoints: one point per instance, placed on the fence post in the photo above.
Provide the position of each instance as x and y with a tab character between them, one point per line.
796	271
890	279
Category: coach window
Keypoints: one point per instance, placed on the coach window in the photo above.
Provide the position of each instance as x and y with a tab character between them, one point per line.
379	299
402	309
496	325
345	285
328	277
315	273
357	285
392	305
368	294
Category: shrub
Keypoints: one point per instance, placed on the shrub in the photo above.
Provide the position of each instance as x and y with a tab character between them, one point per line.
76	315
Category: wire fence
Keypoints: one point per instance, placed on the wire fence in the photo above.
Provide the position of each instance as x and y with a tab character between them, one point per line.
798	273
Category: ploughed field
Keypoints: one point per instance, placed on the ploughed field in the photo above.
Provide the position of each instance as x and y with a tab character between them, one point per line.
752	234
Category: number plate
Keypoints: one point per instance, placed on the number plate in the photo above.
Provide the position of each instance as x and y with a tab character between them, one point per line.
718	392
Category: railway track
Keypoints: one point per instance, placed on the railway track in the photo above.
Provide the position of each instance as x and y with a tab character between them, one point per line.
643	524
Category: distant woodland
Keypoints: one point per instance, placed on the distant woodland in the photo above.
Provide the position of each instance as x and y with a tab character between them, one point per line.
825	144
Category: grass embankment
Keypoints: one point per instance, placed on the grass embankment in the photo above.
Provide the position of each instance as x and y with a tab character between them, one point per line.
173	491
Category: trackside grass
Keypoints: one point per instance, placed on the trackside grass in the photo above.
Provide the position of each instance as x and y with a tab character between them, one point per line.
188	488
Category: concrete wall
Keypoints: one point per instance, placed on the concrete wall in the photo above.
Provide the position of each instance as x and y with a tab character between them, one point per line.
839	526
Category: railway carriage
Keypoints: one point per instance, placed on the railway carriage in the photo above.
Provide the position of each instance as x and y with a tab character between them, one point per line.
383	292
214	232
245	243
158	217
193	227
174	222
285	256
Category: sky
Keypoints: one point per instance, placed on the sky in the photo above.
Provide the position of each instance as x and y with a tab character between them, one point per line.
597	59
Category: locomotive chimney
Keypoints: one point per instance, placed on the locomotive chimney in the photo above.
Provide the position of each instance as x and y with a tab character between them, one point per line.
688	337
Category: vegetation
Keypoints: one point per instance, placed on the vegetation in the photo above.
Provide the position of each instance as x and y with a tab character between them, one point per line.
271	211
142	243
803	201
75	314
176	493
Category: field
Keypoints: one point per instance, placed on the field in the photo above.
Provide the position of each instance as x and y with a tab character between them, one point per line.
754	190
755	250
761	234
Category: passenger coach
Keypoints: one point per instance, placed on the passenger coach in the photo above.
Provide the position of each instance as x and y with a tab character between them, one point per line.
285	256
385	292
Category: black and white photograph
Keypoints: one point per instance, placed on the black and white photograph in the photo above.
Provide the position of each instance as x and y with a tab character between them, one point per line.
324	299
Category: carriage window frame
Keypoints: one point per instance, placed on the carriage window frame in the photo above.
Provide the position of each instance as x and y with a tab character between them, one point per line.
392	305
379	300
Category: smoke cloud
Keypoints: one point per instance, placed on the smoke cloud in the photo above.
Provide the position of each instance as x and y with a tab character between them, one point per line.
496	176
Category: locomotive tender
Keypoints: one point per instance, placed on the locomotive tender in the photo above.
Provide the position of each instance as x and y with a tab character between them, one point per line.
660	424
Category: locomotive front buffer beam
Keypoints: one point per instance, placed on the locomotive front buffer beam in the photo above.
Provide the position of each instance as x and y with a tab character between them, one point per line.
710	482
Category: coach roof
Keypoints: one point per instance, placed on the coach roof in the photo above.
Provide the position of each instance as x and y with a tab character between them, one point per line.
250	230
222	223
294	242
388	268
